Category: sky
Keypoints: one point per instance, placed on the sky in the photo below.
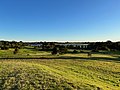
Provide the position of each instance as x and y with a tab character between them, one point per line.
60	20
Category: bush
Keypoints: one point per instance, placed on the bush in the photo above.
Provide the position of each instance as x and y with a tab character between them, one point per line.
63	50
54	52
75	51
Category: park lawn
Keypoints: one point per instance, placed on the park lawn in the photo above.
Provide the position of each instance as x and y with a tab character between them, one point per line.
59	74
32	53
24	53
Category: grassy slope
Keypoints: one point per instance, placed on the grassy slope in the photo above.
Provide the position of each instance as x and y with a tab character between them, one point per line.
59	74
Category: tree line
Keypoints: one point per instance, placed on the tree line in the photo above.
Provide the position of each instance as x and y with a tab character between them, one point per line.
54	47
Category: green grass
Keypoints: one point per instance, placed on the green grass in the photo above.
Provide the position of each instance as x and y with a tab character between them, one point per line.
32	53
23	53
70	74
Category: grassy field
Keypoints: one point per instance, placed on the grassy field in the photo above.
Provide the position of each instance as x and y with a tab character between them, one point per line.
67	72
57	74
32	53
23	53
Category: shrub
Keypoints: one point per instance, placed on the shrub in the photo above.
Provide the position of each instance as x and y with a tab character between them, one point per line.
54	51
75	51
63	50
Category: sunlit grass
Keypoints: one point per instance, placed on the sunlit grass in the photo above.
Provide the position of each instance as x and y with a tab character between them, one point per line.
31	53
59	74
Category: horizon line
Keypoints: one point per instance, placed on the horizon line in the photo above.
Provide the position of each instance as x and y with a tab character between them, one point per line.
60	40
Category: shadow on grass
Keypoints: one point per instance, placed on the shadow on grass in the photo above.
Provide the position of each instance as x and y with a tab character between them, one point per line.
69	57
106	59
93	58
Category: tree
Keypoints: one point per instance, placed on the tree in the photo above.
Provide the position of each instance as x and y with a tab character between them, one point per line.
16	51
55	51
89	54
62	49
5	45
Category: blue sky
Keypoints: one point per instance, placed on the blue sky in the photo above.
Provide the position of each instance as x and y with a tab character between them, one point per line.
60	20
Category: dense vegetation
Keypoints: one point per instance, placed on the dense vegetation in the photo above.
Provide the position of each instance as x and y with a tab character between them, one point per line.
48	46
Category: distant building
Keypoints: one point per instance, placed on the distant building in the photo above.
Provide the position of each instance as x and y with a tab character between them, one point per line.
74	45
34	44
80	45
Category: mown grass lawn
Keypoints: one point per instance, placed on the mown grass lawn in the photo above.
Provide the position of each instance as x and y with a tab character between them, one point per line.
70	74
